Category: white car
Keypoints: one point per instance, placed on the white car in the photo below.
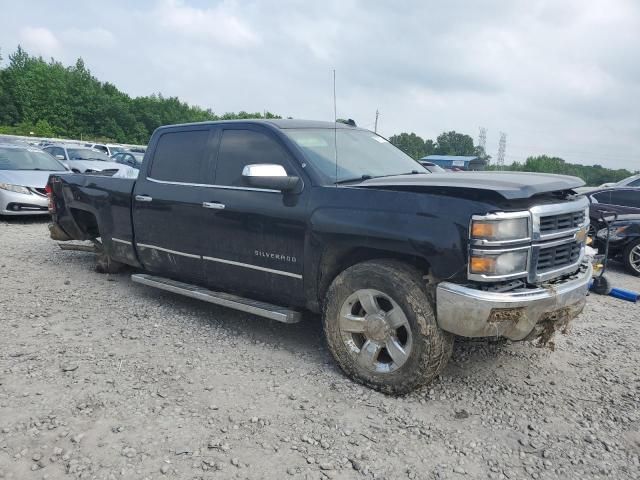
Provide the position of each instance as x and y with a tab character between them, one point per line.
632	181
107	148
24	172
82	159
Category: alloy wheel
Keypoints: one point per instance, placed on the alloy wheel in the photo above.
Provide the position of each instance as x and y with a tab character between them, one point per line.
375	331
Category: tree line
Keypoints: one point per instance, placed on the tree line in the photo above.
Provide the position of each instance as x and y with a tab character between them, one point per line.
454	143
53	100
447	143
593	175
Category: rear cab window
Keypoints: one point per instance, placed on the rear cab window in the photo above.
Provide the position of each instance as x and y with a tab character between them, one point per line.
181	156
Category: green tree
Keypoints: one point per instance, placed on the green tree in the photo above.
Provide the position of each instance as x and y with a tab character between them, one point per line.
48	97
429	147
43	129
454	143
409	143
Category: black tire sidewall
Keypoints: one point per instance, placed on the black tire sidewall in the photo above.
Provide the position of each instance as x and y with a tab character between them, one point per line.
403	285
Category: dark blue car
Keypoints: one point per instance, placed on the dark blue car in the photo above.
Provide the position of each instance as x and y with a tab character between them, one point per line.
623	204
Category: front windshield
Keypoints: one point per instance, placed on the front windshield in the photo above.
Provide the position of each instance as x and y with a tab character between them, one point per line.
31	159
361	154
86	154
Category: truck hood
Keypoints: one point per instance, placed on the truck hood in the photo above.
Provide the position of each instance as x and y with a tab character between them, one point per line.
26	178
511	185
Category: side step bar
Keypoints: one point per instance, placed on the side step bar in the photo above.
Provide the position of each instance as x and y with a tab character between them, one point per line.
261	309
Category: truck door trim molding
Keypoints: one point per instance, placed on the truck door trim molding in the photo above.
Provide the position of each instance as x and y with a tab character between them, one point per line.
255	267
190	255
208	185
119	240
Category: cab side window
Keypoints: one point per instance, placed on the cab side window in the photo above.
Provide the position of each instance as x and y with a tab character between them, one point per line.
181	157
246	147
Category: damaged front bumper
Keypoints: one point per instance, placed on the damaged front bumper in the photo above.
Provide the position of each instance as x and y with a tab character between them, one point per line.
516	315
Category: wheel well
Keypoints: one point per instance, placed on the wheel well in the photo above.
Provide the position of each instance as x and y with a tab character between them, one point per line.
86	221
335	262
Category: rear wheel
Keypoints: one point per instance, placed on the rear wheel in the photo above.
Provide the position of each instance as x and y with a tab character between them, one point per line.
381	328
631	257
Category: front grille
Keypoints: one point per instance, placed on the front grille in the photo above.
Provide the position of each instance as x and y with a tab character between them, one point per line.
564	221
552	258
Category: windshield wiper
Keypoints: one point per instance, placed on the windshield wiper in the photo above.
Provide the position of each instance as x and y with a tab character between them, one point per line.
412	172
355	179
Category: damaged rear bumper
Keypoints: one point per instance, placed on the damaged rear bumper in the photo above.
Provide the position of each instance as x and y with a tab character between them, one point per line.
471	312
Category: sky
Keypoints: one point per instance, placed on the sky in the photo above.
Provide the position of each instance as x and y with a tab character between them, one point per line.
559	77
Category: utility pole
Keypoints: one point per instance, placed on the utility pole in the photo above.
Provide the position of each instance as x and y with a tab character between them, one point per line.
502	147
375	129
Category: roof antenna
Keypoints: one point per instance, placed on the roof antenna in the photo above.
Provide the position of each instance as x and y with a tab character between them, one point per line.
335	125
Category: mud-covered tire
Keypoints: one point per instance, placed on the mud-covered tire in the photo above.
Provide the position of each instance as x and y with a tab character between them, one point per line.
631	258
104	264
397	285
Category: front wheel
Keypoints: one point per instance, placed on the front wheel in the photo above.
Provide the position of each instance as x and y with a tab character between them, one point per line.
381	328
631	257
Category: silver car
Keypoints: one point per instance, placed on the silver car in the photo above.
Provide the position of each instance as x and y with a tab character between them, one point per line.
24	172
81	159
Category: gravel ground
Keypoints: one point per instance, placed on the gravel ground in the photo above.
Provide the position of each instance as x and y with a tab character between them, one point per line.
102	378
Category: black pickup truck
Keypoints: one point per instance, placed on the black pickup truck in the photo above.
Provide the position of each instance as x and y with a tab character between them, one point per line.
280	216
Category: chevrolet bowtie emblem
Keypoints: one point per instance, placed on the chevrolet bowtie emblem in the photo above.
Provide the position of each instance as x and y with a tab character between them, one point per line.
581	234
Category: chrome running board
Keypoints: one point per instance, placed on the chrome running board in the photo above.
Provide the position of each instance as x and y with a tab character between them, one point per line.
254	307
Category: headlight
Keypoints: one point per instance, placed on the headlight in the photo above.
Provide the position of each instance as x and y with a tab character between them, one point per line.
15	188
615	233
501	229
498	264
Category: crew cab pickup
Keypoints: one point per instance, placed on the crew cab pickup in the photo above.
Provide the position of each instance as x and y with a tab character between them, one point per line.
280	216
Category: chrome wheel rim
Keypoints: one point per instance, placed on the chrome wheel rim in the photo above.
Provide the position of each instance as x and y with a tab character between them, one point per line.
375	331
634	258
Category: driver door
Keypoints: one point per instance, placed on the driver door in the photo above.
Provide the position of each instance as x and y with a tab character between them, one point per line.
254	238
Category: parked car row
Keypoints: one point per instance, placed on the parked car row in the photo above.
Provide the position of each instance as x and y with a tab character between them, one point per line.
25	169
81	159
619	208
24	172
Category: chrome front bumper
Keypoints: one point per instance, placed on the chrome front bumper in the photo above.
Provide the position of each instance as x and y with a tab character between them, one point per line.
470	312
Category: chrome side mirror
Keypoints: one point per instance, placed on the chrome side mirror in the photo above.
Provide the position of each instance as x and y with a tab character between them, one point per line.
270	176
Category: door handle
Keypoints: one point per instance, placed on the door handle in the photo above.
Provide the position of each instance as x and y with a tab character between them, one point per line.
213	205
143	198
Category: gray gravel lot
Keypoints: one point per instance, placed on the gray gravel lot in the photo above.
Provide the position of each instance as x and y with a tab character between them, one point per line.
101	378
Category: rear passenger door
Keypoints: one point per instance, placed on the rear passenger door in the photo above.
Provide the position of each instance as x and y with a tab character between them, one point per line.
167	203
254	239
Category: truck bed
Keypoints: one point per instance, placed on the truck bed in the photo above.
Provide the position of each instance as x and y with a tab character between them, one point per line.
88	206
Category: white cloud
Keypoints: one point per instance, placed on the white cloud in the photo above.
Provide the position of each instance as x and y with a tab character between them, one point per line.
217	24
39	41
558	77
92	37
